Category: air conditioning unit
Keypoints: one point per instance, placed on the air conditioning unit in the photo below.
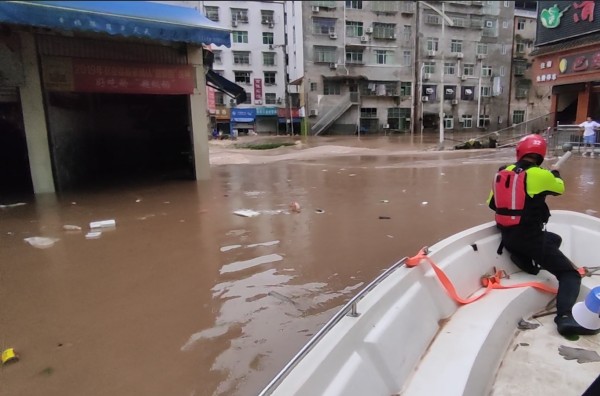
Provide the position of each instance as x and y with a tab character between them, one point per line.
364	39
279	100
424	98
460	55
463	77
271	25
313	113
258	102
332	35
234	23
333	65
407	119
454	101
426	76
386	126
369	30
315	8
480	56
431	53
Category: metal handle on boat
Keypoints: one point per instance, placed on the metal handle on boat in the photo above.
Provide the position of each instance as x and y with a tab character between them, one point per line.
350	309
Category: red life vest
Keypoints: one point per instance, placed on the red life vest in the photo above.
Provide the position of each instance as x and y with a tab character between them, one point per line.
510	192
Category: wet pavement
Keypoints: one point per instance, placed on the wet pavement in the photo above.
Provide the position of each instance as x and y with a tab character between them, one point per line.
183	297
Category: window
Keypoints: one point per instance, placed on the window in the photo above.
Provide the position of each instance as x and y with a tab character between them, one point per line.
486	71
504	24
432	43
212	13
520	47
468	69
270	98
217	54
267	17
406	58
486	91
241	57
503	49
456	46
313	87
239	37
331	88
355	5
270	78
520	68
521	92
484	120
384	6
354	56
482	49
267	38
384	30
520	23
433	19
467	121
518	116
269	58
429	67
384	57
405	88
448	122
248	98
242	77
323	25
398	118
239	15
449	68
407	33
219	98
354	29
368	112
325	54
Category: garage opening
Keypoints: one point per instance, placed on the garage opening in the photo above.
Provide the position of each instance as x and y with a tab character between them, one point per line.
15	177
100	139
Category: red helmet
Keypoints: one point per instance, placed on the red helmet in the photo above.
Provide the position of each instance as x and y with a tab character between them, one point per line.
531	144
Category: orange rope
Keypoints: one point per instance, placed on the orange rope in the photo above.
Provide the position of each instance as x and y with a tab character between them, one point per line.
488	281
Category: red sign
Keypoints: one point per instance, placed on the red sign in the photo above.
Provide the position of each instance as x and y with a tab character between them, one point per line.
210	94
284	112
138	78
258	89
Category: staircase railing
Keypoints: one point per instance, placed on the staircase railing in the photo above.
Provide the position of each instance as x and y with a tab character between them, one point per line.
335	112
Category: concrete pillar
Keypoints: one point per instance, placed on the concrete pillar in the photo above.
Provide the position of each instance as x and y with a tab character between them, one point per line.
583	103
34	119
198	120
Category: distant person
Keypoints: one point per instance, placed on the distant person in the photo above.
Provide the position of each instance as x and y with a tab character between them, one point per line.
518	197
589	135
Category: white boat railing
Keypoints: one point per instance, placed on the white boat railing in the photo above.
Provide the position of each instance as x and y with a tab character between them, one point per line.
350	309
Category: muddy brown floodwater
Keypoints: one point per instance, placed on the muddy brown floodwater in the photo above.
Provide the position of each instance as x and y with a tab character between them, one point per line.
183	297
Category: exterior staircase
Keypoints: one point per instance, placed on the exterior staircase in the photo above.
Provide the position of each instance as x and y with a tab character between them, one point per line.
325	121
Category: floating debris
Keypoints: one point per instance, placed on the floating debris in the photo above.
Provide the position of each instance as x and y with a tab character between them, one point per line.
9	356
295	207
70	227
246	213
93	235
524	325
103	224
41	242
319	211
384	217
384	201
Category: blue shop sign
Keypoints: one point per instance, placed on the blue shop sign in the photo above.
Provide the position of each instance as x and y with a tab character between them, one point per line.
266	111
243	115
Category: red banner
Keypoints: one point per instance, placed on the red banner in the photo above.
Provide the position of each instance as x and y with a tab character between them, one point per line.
134	78
284	112
210	94
258	89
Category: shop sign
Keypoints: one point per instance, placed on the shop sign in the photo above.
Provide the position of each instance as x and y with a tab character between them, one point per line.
88	75
284	112
258	91
550	70
210	94
243	114
559	20
266	111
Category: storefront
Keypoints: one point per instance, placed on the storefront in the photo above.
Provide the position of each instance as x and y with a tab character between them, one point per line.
567	58
111	91
289	121
266	119
243	121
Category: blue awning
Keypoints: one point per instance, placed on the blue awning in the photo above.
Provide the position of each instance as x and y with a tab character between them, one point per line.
141	19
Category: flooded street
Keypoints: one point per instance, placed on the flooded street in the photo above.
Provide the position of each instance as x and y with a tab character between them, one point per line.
183	297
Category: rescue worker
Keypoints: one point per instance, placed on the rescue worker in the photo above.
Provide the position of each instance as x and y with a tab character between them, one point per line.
518	197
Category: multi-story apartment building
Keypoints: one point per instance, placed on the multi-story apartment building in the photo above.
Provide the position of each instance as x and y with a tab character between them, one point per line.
378	65
527	101
256	61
